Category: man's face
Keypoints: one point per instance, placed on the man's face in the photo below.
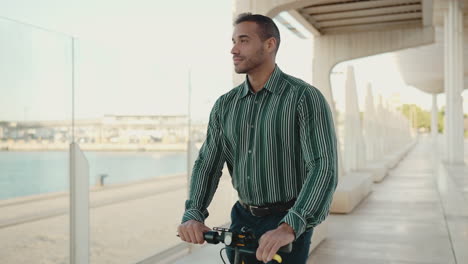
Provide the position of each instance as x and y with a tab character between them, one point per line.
248	49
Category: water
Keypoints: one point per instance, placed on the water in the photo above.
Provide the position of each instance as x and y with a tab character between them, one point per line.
29	173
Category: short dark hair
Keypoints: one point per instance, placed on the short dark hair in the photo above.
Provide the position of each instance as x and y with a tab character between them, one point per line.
267	28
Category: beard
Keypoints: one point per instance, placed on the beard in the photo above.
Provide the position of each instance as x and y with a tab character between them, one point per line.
251	63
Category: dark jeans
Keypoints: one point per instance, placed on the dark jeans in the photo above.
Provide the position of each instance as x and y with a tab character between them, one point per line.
240	217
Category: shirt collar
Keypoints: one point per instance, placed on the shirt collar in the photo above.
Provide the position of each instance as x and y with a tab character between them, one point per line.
272	85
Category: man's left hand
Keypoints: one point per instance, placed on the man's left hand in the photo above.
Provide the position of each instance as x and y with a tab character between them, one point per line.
272	240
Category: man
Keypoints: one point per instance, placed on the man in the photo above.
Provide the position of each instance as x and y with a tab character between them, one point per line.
276	134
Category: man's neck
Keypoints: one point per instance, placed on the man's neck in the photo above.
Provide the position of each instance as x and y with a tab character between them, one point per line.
260	76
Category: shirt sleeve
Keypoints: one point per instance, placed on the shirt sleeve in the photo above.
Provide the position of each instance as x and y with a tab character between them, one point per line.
206	172
319	149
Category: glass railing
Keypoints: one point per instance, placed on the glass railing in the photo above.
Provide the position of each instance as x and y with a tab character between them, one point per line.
135	154
35	131
138	156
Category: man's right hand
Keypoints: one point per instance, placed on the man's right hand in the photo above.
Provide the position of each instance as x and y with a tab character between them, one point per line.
192	231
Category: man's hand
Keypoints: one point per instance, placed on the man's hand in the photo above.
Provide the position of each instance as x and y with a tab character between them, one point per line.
192	231
272	240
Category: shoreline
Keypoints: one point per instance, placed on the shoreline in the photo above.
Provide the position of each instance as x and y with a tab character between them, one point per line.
179	147
92	189
95	150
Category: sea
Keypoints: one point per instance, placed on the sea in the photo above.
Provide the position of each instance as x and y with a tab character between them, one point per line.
30	173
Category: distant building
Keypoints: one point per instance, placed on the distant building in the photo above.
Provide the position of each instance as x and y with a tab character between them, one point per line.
111	129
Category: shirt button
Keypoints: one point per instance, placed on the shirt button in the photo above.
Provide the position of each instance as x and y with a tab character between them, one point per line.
251	126
250	151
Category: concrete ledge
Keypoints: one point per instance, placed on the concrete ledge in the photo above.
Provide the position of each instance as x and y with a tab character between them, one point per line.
168	256
408	147
395	157
206	254
320	233
378	170
351	190
392	160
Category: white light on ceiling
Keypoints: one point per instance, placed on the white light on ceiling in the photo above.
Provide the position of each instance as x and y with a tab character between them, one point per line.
293	25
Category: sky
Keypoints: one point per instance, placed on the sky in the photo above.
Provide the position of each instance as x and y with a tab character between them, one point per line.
130	59
135	58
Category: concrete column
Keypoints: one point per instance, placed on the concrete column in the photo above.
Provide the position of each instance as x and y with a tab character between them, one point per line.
354	149
370	125
445	136
434	118
454	82
380	128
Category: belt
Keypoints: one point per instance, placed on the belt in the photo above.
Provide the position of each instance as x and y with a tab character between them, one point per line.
268	209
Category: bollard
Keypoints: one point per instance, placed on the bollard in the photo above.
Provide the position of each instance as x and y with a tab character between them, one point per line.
101	179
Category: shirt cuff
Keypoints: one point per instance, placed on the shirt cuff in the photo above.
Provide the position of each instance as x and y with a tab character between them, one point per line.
296	221
193	214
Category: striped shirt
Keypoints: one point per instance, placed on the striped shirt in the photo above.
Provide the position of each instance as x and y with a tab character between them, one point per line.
279	144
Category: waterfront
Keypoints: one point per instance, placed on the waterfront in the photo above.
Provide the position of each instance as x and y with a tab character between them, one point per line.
37	172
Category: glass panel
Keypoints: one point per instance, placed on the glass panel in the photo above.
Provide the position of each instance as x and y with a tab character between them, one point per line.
134	135
138	164
35	130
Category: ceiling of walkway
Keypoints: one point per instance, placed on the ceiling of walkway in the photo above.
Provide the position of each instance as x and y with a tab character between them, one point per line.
421	67
345	16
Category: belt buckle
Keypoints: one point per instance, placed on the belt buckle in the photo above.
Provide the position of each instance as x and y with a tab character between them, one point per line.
261	211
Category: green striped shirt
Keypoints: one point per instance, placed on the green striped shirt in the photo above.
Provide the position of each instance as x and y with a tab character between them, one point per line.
278	144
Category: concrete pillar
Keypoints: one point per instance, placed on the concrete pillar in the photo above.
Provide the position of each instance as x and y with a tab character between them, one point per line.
454	82
370	125
378	154
354	149
434	118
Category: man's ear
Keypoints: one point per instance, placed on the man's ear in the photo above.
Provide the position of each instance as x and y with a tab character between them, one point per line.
271	44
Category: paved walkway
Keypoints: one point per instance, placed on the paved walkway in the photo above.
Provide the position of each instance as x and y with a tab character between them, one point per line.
406	219
128	222
413	217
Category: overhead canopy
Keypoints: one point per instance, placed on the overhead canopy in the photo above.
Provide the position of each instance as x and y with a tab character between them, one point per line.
421	67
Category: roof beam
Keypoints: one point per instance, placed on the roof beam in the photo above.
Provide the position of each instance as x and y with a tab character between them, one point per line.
320	9
368	20
372	27
369	12
427	6
308	24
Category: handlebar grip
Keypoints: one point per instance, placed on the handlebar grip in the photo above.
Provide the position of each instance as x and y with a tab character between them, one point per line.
211	237
286	249
277	258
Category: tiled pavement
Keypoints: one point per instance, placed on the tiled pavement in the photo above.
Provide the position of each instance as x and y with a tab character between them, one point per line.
412	217
403	220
